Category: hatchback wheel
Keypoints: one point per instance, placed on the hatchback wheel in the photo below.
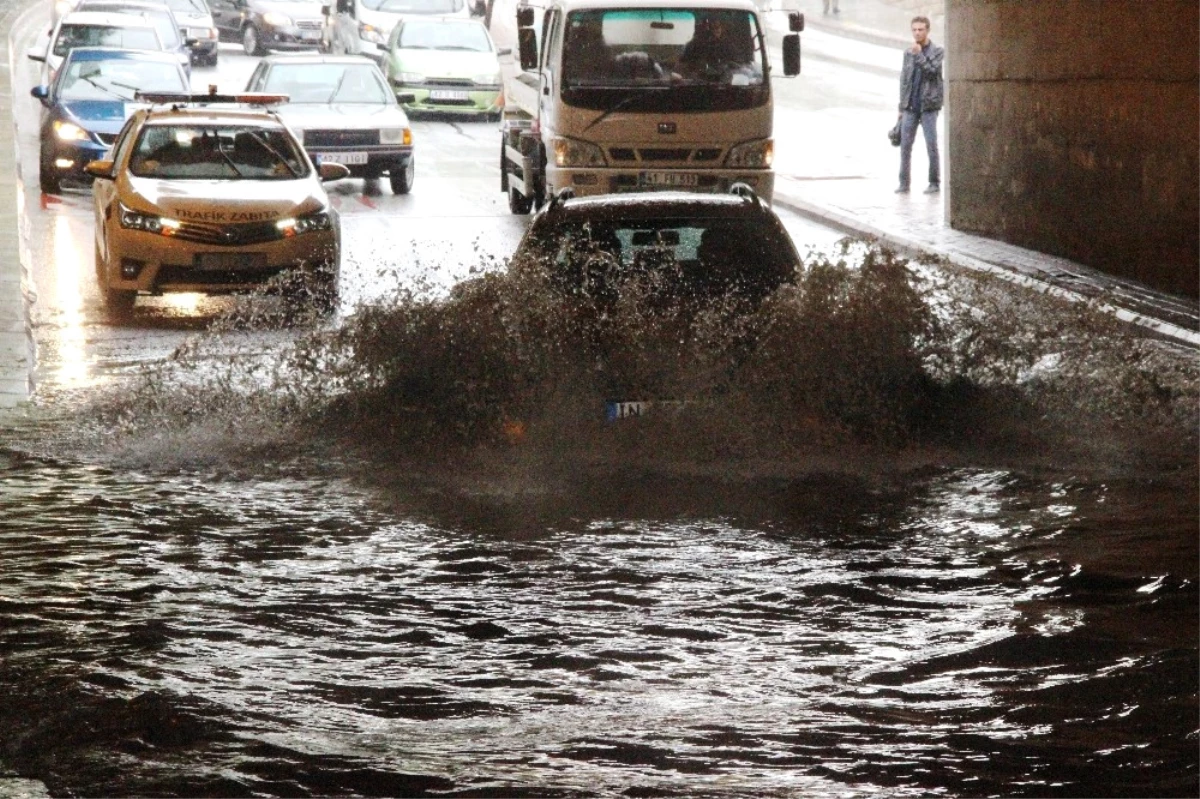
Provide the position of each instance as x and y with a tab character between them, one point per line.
402	180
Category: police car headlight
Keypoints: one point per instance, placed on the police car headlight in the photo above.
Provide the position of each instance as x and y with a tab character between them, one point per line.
298	225
757	154
487	79
69	131
149	223
412	77
395	136
277	20
574	153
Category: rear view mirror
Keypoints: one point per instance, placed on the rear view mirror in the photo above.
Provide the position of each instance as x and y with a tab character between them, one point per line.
527	40
329	171
99	169
791	54
524	17
795	22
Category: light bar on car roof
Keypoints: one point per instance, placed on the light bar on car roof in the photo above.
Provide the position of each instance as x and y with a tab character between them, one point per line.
211	96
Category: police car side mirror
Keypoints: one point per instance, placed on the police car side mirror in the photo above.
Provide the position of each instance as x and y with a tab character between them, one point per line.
42	93
329	171
100	169
791	54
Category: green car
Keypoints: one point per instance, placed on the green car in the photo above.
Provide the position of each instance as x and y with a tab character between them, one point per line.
448	65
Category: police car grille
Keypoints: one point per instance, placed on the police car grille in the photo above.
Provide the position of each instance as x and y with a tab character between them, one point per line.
228	235
341	138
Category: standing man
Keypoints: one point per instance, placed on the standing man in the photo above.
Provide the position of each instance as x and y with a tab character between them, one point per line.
920	100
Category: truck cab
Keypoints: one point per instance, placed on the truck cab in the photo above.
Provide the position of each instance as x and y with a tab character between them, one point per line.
617	96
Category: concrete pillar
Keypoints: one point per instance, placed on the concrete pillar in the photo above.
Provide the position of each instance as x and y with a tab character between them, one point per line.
1074	129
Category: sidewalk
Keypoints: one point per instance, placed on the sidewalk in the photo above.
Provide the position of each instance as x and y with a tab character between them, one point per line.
915	224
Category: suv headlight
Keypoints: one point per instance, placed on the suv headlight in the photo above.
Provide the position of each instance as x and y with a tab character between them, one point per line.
298	225
371	34
69	131
395	136
277	20
148	223
487	79
575	152
757	154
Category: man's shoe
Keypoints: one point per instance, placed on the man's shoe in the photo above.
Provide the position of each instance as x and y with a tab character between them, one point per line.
933	188
902	190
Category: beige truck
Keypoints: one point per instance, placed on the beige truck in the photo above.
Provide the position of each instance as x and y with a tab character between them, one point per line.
614	96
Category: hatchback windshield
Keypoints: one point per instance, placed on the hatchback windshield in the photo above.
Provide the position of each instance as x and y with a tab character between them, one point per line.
127	38
118	79
328	83
216	153
421	35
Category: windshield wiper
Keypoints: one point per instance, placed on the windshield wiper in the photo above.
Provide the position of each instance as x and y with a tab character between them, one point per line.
624	101
338	87
107	90
229	160
278	155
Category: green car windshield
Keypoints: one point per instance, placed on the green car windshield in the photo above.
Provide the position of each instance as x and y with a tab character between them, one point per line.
208	152
467	35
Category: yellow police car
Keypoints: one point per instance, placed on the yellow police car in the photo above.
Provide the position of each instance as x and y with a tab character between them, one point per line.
212	193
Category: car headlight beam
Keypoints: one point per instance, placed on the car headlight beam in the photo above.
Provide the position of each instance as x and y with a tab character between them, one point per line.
299	225
395	136
147	223
277	20
577	153
69	131
756	154
490	79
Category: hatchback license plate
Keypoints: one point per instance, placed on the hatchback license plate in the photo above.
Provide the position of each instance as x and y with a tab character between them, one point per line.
345	159
447	94
669	179
231	260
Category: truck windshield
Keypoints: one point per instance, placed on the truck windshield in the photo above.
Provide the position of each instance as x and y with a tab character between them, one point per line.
683	58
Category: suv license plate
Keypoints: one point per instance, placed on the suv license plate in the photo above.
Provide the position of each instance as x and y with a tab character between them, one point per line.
345	159
669	179
231	260
447	94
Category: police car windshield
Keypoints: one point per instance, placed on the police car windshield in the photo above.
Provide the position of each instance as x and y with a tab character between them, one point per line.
212	152
118	79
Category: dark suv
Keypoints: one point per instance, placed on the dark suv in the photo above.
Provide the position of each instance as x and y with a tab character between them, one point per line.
697	245
262	25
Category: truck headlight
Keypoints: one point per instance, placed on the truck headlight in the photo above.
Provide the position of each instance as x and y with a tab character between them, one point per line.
574	153
298	225
395	136
757	154
487	79
148	223
69	131
277	20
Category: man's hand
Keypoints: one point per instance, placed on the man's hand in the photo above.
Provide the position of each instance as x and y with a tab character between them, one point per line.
915	49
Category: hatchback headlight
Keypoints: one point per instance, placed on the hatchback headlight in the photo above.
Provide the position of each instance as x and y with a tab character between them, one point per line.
411	77
277	20
298	225
487	79
148	223
575	152
69	131
395	136
757	154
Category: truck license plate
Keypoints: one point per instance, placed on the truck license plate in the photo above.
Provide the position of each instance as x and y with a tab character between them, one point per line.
669	179
231	260
346	159
447	94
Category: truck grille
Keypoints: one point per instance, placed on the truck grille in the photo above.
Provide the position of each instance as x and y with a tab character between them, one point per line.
341	138
660	155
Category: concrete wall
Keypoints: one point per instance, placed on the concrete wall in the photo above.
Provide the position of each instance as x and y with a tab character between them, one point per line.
1074	129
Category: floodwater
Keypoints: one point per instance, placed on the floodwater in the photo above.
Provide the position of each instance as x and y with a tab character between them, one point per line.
288	594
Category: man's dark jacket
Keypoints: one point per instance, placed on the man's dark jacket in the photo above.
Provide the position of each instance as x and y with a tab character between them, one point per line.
929	61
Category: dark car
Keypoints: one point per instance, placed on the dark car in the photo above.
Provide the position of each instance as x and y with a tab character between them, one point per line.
343	111
262	25
698	245
196	23
86	105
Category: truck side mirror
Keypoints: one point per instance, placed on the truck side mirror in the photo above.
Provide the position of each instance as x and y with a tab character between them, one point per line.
791	55
524	17
325	10
527	39
795	21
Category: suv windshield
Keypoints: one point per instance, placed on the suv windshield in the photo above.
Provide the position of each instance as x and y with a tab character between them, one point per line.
117	79
127	38
677	59
208	152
